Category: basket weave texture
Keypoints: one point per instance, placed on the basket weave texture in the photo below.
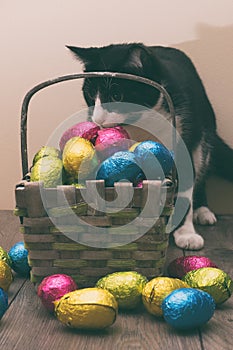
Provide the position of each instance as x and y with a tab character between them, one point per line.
51	236
54	239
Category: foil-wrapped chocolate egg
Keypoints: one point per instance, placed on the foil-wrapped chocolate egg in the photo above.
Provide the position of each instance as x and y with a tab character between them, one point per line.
126	286
88	308
139	184
79	158
3	302
87	130
132	148
155	159
182	265
156	290
188	308
5	256
121	166
46	151
213	281
19	257
53	288
110	141
6	276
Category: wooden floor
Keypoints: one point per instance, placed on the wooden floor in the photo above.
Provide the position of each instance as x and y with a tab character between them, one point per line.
27	325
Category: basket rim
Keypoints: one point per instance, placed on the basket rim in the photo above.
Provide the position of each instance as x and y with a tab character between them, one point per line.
47	83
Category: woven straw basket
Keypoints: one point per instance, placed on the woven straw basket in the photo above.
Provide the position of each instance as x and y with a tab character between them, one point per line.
52	235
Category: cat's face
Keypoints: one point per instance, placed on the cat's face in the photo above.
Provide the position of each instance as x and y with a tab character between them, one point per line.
113	100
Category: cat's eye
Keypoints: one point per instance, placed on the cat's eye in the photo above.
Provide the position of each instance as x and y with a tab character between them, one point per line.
115	93
117	96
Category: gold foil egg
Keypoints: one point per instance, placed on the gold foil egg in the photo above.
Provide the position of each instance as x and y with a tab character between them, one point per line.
132	148
6	276
213	281
88	308
156	290
79	157
5	257
126	286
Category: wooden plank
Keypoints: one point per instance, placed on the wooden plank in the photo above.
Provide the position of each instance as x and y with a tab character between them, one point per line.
124	194
9	235
34	202
9	229
27	325
37	238
132	330
151	198
217	334
172	253
66	195
35	222
95	196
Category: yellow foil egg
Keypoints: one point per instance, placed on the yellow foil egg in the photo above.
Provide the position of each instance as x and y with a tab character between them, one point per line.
156	290
132	148
79	157
6	276
88	308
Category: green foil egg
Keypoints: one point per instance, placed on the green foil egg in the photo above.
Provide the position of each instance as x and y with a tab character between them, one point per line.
126	286
211	280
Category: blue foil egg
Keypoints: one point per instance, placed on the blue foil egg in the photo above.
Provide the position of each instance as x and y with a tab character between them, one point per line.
155	159
120	166
3	302
188	308
19	256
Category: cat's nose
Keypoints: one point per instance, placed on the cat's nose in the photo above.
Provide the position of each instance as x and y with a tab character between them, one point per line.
99	115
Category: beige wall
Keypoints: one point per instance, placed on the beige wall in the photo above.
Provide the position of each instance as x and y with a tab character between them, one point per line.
33	36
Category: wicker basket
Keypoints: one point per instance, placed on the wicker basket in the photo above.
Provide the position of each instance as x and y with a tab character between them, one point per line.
52	234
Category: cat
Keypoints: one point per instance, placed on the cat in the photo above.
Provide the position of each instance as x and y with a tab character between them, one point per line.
196	120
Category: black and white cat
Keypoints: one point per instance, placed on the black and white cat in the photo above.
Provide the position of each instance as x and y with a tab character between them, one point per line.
195	117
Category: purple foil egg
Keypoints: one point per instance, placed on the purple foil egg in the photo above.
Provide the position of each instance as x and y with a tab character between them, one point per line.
87	130
139	184
111	140
53	288
182	265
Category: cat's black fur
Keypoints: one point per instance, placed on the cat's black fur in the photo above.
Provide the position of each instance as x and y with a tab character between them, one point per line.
197	125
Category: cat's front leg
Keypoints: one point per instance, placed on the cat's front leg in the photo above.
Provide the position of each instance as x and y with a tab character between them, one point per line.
202	215
185	236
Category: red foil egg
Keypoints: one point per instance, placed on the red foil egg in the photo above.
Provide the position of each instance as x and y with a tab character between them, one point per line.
111	140
87	130
182	265
53	288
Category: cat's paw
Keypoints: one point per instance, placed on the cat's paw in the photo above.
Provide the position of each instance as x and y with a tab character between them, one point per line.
203	216
188	240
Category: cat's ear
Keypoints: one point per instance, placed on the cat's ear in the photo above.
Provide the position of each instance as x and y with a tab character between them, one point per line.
137	56
85	55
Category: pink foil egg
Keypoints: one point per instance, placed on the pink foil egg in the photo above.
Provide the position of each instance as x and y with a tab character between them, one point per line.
87	130
182	265
111	140
53	288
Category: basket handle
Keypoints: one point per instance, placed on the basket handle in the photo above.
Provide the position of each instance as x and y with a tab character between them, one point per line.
28	96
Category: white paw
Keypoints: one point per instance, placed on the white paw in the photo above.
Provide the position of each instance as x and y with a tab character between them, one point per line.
204	216
188	240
